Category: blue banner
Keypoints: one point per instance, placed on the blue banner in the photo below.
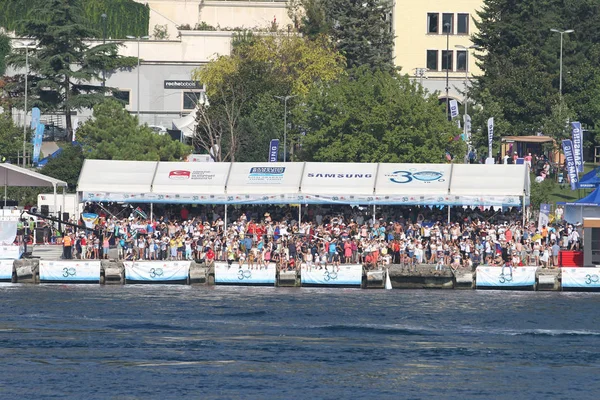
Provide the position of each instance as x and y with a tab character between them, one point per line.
37	142
35	118
577	137
587	278
567	146
156	271
273	150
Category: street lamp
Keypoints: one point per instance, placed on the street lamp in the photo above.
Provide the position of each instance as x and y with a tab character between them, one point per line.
561	56
138	38
285	99
103	16
447	27
466	49
26	46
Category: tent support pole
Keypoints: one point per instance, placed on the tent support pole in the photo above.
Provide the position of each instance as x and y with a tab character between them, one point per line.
225	220
299	213
374	212
448	213
55	202
64	200
4	195
151	212
523	211
5	186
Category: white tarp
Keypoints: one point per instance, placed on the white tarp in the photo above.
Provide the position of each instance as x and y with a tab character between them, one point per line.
413	179
587	278
8	232
69	271
244	276
131	178
156	271
269	180
488	180
345	275
505	276
339	179
6	269
200	178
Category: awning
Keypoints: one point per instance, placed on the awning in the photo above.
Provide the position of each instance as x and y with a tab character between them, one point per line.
12	175
341	179
489	180
111	176
201	178
413	179
265	182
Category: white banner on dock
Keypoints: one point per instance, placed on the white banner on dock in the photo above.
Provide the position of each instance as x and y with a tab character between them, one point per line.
157	271
505	276
580	278
69	271
6	269
234	275
346	274
10	252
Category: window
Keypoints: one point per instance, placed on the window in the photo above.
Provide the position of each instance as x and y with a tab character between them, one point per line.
461	60
190	99
447	60
122	95
433	23
462	24
432	60
448	23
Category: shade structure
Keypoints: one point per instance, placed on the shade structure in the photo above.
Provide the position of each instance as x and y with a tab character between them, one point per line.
489	179
207	178
12	175
267	182
590	180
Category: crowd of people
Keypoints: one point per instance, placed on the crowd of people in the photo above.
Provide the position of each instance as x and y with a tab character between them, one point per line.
325	236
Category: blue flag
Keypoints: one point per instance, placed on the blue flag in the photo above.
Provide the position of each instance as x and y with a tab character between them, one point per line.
577	137
567	146
37	142
273	150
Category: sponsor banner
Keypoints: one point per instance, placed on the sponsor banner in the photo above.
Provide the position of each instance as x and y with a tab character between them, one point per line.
10	252
180	178
273	150
6	269
467	119
454	109
8	232
35	118
37	142
490	125
346	275
157	271
544	217
235	275
264	179
505	276
577	138
65	271
181	84
567	146
412	179
339	178
580	278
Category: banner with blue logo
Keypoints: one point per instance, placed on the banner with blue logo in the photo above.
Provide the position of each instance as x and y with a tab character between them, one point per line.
587	278
37	142
234	275
345	275
273	150
505	276
70	271
6	269
156	271
544	217
567	146
35	118
453	109
577	138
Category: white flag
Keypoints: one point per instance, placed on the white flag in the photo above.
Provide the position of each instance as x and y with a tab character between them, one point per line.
453	109
490	136
467	118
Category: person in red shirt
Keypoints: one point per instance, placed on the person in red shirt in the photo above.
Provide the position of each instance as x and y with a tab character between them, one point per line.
210	256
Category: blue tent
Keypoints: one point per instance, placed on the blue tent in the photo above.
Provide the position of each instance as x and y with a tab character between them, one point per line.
591	180
591	200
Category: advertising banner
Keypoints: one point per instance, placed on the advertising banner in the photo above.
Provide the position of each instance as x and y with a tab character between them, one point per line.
10	252
184	178
505	276
567	146
235	275
264	179
35	118
453	109
37	142
70	271
588	278
344	275
156	271
6	270
544	216
467	119
577	138
273	150
339	179
413	179
490	125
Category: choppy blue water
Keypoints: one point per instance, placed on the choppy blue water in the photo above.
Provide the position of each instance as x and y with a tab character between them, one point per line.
171	342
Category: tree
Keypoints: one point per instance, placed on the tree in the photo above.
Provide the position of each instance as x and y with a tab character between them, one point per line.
376	117
67	71
114	134
4	51
11	139
241	89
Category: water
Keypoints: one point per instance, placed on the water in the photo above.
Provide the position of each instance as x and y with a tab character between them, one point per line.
172	342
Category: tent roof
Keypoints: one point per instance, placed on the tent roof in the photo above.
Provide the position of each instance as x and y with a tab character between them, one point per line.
321	178
268	178
114	176
413	179
489	180
590	180
12	175
528	139
592	199
190	178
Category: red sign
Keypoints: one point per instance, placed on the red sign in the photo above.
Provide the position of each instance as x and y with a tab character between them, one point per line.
179	174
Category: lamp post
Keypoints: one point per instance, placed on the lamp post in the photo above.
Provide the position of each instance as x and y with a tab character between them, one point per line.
285	99
561	56
138	38
103	16
447	27
26	46
465	48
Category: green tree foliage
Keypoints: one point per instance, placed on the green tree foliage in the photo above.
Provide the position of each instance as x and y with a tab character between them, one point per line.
361	30
66	166
66	71
540	192
4	51
11	139
124	17
114	134
521	61
376	117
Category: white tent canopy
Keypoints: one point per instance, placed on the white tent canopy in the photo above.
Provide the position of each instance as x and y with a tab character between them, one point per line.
12	175
304	183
